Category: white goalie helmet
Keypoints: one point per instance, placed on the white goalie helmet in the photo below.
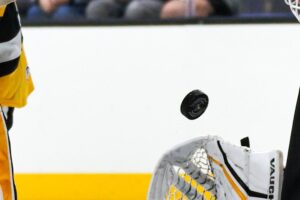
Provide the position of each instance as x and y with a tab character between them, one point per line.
295	7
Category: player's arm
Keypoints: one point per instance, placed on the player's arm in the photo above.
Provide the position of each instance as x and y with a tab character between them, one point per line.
15	79
10	37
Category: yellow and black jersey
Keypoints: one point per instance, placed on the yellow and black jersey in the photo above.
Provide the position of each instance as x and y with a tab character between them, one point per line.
15	79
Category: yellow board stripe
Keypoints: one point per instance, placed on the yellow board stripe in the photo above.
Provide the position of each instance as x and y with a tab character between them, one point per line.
2	10
228	177
82	186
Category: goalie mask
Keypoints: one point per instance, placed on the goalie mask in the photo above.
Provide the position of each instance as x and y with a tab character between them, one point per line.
208	168
295	7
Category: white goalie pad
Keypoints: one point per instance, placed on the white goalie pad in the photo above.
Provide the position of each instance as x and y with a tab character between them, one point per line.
209	168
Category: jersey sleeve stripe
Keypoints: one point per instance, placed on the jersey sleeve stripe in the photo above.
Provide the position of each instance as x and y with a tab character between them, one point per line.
11	49
9	24
2	10
8	67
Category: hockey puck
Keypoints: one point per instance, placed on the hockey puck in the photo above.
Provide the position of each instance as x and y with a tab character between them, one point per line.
194	104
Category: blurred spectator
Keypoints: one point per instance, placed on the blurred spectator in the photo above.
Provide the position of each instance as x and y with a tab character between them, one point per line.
103	9
151	9
199	8
144	9
23	6
129	9
57	9
263	7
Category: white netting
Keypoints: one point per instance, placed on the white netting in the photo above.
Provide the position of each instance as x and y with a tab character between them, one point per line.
295	7
192	180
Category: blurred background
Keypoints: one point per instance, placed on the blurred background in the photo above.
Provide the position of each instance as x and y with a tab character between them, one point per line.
145	10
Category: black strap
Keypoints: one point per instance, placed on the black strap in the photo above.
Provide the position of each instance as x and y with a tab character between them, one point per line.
8	117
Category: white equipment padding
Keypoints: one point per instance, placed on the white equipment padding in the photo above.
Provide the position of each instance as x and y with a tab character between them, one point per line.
209	168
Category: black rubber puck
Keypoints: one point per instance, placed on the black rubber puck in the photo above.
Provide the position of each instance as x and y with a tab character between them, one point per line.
194	104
